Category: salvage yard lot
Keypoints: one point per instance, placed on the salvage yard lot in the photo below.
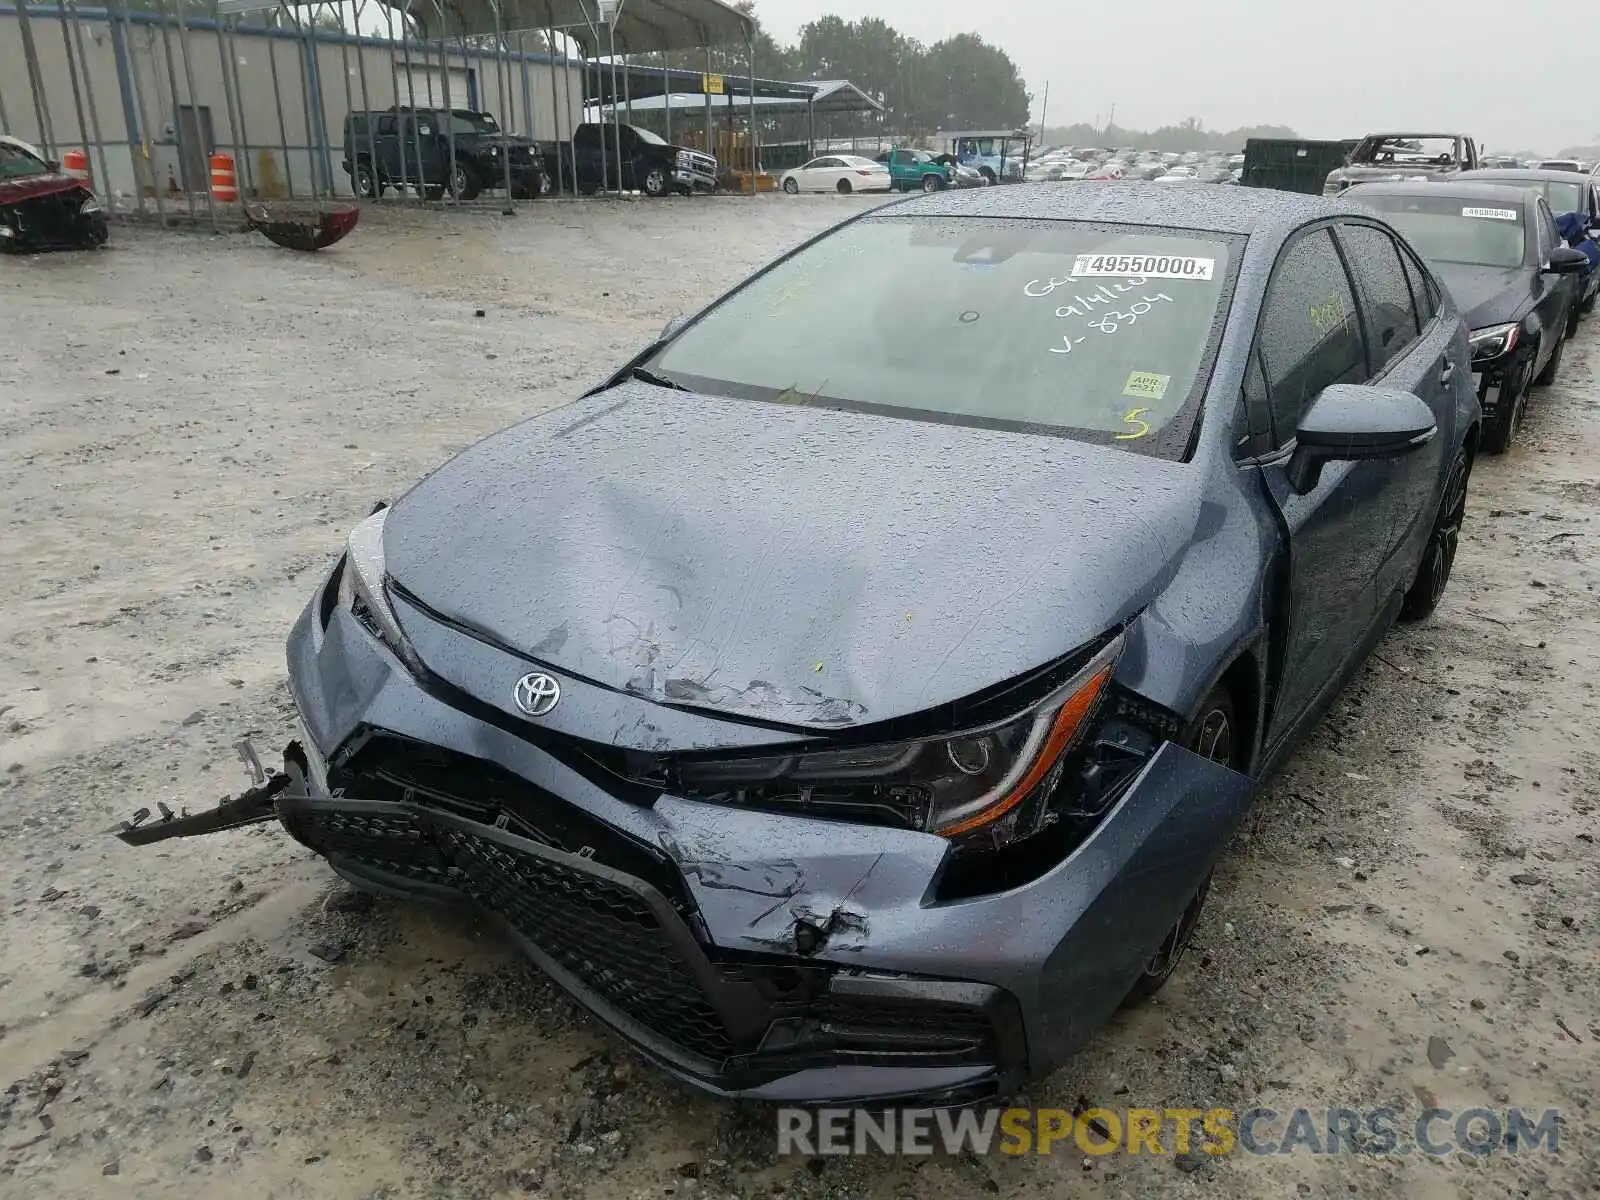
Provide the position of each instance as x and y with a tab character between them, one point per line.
189	425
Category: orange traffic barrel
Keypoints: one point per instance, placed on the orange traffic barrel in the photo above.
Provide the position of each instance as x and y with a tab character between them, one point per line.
224	184
76	164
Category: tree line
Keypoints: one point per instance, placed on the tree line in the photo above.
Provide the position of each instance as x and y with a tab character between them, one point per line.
962	82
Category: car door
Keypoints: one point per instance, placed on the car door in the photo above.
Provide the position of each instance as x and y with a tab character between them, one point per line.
1555	294
1410	350
809	174
388	147
1341	536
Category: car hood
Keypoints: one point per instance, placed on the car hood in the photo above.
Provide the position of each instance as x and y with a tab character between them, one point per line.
15	191
799	566
1487	295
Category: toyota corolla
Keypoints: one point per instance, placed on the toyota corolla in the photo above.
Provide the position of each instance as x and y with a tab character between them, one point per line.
835	727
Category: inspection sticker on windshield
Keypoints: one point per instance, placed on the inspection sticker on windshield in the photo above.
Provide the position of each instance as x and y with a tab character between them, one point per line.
1147	385
1151	266
1491	214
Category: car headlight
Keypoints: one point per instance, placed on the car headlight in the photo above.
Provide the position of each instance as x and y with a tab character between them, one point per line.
361	591
1493	341
89	207
983	787
683	159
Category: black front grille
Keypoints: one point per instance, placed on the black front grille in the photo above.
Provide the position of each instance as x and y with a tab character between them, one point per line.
376	835
406	772
604	933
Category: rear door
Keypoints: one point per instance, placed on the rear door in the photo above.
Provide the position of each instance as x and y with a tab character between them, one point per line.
1556	293
1342	534
1411	350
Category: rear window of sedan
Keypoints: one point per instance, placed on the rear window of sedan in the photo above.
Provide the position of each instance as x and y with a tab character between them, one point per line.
1449	229
1102	333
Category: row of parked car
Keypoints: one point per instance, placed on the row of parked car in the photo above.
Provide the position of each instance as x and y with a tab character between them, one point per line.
1516	248
1067	162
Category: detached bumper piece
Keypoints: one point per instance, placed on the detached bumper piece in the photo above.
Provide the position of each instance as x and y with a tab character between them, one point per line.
632	949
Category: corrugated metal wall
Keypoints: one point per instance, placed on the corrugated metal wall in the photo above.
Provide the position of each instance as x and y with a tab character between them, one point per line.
291	92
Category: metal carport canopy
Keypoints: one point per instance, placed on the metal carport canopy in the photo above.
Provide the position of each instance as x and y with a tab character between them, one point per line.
639	26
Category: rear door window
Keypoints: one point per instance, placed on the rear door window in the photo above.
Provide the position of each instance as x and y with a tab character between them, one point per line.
1385	296
1310	336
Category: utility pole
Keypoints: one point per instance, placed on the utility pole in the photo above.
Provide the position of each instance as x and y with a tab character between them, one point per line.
1044	109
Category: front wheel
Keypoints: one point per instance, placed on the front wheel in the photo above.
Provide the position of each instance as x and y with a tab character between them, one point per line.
655	182
792	186
368	185
844	187
1502	428
931	183
1213	734
1552	368
463	184
1433	573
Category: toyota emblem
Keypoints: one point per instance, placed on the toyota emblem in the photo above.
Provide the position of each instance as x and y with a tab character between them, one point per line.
536	694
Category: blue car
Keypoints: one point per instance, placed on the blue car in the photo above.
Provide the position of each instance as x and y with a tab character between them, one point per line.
834	729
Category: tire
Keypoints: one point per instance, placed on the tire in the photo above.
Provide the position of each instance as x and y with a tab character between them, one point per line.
1213	734
932	183
988	175
1500	432
588	188
463	184
1587	306
792	186
368	185
1433	572
1574	315
843	188
655	182
1552	368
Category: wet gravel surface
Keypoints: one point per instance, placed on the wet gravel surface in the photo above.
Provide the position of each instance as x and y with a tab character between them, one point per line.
189	425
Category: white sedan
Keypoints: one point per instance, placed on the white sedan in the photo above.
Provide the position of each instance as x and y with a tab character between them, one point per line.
842	173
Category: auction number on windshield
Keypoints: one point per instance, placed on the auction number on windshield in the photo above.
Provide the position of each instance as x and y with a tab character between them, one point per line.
1151	266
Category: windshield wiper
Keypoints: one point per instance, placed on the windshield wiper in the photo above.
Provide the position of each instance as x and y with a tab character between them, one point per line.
649	376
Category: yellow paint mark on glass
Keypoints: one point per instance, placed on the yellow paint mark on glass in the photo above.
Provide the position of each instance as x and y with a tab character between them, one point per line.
1132	418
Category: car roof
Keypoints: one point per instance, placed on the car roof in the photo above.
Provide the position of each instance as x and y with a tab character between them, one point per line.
1529	174
1454	189
1182	206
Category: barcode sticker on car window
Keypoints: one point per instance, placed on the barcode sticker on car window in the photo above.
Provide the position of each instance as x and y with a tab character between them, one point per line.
1150	266
1491	214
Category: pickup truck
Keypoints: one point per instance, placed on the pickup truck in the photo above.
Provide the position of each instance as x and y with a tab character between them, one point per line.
649	164
1404	156
405	146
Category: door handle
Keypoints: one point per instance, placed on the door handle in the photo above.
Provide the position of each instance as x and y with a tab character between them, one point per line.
1446	371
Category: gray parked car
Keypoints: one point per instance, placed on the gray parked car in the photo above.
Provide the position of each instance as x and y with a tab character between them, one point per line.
833	729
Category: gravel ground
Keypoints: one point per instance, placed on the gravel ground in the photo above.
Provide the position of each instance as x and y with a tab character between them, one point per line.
190	424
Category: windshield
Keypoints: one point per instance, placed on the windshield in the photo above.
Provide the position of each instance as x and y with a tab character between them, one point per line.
1446	229
647	137
1563	197
1409	151
17	163
463	122
1097	332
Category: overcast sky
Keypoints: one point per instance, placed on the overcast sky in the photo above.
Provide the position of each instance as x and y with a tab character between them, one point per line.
1509	76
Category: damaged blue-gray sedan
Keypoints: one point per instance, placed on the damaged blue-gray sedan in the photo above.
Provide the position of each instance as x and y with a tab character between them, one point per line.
850	699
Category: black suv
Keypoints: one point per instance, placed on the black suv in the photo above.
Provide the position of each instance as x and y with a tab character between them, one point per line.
410	145
649	164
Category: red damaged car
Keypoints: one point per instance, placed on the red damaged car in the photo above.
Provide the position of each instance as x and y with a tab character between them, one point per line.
40	207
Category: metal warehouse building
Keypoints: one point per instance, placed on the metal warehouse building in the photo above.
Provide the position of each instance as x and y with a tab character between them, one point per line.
154	83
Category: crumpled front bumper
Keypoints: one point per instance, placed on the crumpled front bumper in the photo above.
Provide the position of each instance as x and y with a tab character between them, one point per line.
753	954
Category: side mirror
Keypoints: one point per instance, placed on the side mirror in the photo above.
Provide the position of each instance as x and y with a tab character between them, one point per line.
1353	423
51	164
672	327
1564	260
